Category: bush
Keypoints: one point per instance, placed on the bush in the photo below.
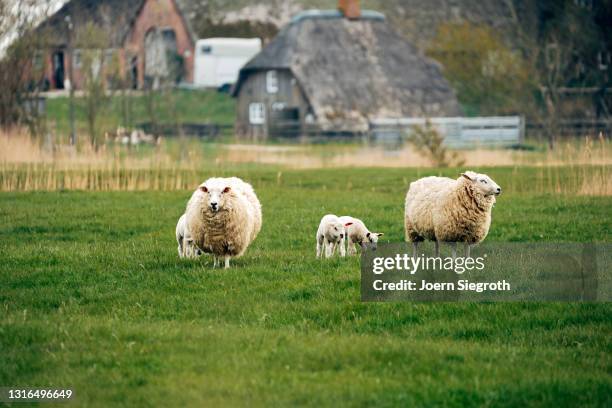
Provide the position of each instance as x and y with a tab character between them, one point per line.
427	140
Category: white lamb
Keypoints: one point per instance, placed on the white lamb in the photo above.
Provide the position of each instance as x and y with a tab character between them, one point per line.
441	209
330	235
358	234
224	217
186	246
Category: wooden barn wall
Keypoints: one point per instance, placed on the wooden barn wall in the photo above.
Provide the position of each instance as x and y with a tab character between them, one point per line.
253	89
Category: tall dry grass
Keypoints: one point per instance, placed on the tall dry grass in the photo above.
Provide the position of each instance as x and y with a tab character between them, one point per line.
577	167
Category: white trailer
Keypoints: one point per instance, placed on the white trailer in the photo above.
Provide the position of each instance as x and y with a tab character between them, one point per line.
218	60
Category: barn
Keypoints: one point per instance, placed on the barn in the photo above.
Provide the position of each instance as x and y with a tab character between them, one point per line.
151	40
335	71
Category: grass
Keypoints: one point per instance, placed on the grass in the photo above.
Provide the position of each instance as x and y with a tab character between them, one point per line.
176	106
94	297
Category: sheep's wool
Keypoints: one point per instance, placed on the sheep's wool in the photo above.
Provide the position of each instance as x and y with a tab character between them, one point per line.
447	210
230	230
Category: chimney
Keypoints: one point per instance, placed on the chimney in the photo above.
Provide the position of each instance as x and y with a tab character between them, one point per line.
350	8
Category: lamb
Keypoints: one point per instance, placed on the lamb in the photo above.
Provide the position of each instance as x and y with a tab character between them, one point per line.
358	233
330	235
446	210
224	217
186	246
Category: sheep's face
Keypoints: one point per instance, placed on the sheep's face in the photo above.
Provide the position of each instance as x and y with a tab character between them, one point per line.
336	231
483	183
372	239
216	195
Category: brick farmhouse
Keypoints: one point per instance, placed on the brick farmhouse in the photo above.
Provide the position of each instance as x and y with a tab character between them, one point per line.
148	41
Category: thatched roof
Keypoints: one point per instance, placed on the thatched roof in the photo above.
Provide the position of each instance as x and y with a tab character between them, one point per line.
115	17
356	69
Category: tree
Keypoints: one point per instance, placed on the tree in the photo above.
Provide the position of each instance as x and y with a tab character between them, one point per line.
490	78
98	67
569	51
21	64
568	54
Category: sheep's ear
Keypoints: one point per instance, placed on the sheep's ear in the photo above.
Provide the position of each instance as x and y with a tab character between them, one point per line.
203	189
380	234
226	189
368	235
348	223
467	176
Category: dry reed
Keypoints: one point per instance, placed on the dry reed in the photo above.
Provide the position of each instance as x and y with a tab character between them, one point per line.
25	164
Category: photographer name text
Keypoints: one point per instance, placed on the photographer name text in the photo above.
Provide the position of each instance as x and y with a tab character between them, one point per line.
423	285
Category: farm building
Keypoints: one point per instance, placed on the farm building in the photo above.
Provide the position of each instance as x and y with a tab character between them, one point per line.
148	41
335	71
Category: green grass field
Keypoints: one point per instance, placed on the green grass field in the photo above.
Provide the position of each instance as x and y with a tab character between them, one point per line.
94	297
178	106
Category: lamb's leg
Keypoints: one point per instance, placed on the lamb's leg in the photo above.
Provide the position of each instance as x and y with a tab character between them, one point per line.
437	248
227	260
342	248
319	245
415	248
467	250
453	249
180	247
328	248
332	248
352	250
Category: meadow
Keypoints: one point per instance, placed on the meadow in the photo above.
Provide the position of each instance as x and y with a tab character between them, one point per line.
177	106
94	297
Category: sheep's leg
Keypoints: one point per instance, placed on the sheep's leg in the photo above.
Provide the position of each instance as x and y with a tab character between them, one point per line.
319	246
415	248
332	246
227	260
342	248
215	261
468	247
180	247
453	249
352	250
329	249
437	248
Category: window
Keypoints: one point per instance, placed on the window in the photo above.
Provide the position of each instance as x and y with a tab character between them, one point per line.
76	58
271	82
603	60
37	60
257	113
109	55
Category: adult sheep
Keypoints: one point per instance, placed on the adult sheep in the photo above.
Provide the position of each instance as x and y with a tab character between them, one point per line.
224	217
441	209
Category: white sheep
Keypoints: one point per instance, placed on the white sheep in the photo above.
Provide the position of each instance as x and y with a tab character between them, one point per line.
441	209
186	246
330	235
358	233
224	217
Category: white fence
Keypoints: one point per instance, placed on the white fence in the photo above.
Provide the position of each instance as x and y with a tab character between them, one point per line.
458	132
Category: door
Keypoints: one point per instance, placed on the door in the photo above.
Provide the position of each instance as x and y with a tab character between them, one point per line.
58	69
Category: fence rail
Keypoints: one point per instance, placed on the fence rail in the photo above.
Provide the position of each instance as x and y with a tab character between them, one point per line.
493	131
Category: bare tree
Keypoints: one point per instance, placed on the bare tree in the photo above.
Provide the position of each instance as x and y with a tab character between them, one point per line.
98	64
21	63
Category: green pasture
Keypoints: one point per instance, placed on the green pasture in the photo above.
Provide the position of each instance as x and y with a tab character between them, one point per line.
95	298
178	106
